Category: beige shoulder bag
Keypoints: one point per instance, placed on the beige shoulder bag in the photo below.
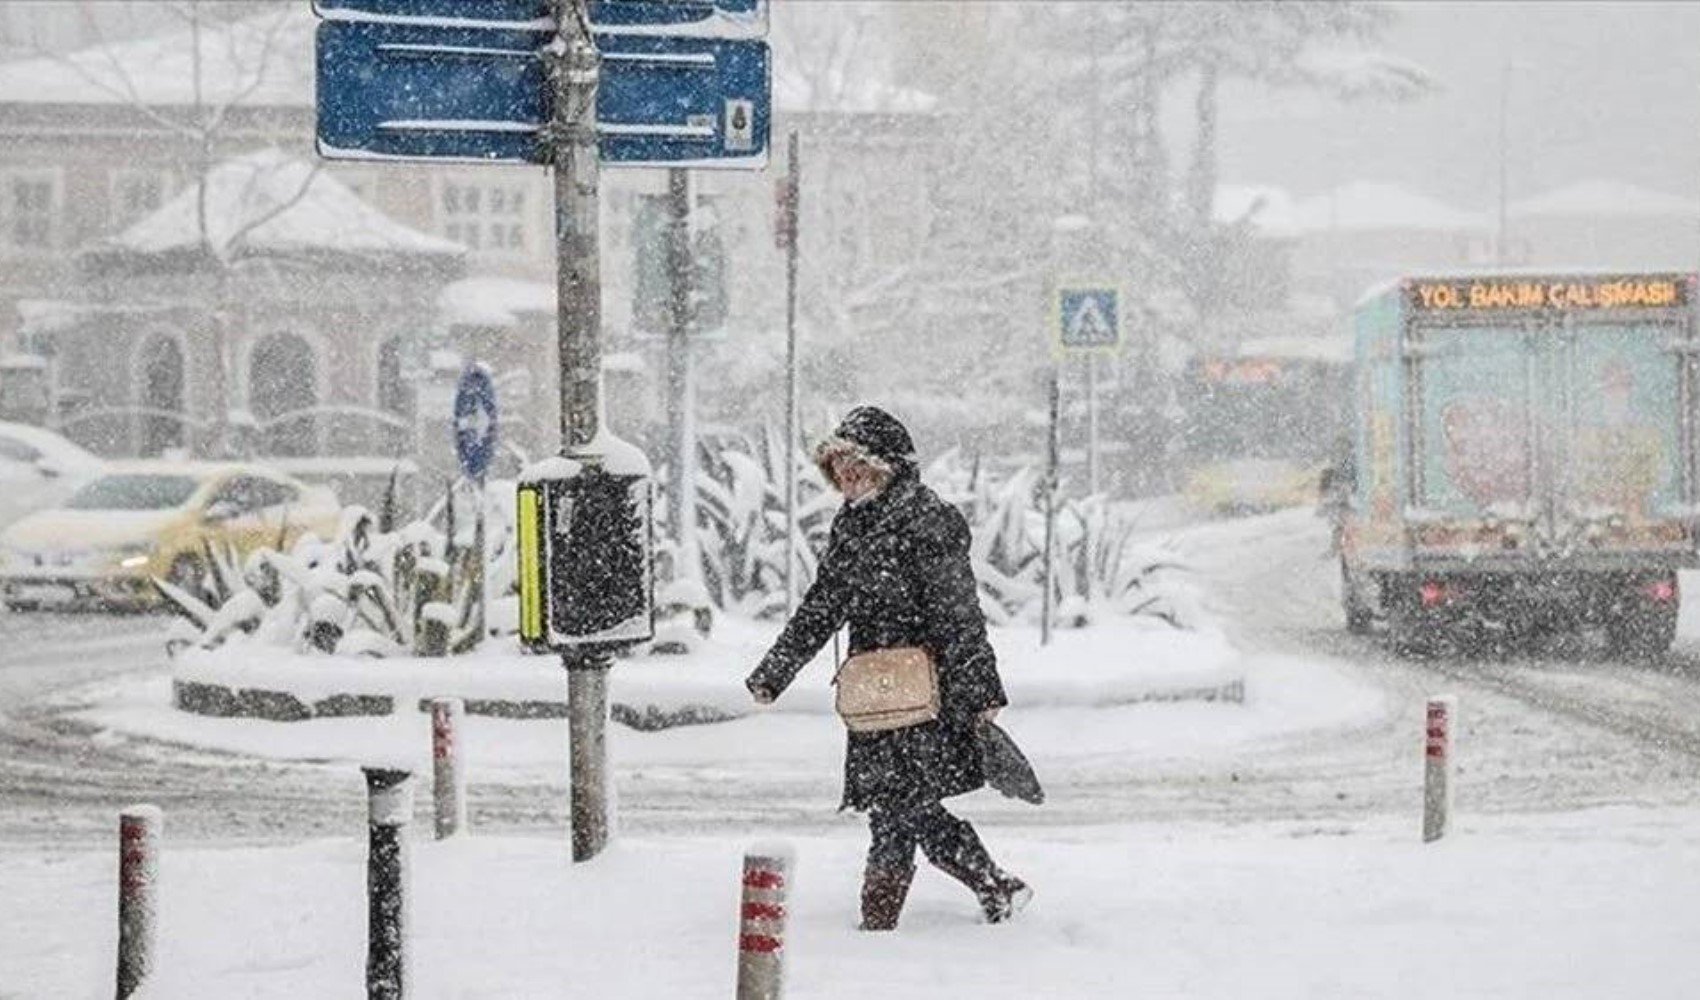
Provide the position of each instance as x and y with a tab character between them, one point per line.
887	689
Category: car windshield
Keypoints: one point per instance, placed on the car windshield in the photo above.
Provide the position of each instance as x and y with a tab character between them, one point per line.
135	491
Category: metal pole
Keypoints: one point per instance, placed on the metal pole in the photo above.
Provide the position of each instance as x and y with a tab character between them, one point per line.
1504	168
389	806
448	778
1092	423
576	68
792	227
578	281
1050	508
1437	766
678	349
139	830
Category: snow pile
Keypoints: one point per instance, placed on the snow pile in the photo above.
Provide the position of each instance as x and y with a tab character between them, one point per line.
1600	904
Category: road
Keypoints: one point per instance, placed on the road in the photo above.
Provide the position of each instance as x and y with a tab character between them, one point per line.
1537	733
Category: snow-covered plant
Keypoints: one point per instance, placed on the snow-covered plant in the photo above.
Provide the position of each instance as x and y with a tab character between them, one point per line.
740	508
366	591
1099	564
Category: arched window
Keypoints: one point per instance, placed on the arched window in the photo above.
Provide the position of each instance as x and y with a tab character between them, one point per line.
161	371
395	397
281	385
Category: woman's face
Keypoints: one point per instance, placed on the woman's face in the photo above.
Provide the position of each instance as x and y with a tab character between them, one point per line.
854	478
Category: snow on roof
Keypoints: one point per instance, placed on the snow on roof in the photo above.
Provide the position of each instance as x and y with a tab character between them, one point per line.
313	210
1370	205
261	61
1606	199
1268	209
494	301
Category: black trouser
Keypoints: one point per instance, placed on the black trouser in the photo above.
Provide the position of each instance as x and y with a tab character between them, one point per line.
948	842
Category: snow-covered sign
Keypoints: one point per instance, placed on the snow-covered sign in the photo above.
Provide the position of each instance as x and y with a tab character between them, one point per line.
1089	318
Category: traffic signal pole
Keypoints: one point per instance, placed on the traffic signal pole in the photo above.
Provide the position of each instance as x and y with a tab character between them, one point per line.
575	70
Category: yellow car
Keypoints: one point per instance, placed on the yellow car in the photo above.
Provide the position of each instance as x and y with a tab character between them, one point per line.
146	519
1254	486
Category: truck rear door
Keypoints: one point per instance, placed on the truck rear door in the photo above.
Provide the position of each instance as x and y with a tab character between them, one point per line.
1474	416
1621	389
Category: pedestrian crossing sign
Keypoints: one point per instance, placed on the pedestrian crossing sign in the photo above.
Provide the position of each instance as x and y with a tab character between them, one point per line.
1089	318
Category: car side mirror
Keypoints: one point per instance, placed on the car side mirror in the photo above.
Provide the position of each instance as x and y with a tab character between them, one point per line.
221	510
49	468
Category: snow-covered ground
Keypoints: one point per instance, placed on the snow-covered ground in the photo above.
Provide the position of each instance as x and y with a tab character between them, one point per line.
1263	849
1585	906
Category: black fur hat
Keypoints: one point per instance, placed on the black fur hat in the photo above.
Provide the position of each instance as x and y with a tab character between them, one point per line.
873	436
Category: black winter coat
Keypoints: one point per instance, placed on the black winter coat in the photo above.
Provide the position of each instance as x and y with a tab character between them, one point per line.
897	569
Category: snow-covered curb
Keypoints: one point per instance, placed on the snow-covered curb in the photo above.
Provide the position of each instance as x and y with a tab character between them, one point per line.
1123	661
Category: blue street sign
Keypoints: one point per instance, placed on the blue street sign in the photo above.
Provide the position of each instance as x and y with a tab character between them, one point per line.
407	91
410	91
684	102
1089	317
475	420
677	18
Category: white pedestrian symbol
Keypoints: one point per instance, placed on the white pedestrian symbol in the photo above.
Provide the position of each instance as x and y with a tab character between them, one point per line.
1091	323
475	424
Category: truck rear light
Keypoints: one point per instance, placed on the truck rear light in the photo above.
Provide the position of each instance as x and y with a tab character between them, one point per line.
1661	591
1433	593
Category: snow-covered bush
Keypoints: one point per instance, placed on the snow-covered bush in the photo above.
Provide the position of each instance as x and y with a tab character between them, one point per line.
740	498
367	591
1099	565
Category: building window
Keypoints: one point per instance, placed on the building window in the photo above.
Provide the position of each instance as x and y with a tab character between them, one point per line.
488	218
29	201
135	194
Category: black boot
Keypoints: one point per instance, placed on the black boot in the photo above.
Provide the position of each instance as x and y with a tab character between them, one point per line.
883	893
963	857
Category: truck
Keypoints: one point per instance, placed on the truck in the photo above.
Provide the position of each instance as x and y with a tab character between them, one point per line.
1522	457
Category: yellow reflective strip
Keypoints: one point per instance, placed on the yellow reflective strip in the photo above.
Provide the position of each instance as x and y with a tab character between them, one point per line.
530	580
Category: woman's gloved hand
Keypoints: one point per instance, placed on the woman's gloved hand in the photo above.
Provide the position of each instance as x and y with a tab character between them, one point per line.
761	694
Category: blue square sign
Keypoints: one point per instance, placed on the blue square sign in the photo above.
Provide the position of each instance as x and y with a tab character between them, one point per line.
1089	317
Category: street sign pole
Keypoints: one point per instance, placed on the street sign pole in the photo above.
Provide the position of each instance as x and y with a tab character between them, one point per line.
790	219
680	312
1092	424
1051	474
575	68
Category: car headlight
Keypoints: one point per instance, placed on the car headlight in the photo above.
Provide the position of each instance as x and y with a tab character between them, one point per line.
134	555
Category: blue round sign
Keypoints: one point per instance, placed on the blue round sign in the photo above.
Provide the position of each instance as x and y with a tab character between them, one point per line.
475	420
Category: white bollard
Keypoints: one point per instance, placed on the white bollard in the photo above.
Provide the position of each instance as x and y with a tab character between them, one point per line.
139	829
1437	767
449	778
761	926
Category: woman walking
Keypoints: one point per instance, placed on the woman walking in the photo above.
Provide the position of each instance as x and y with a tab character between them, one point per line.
896	568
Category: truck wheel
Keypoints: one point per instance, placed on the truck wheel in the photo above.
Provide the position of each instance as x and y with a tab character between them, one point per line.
1359	616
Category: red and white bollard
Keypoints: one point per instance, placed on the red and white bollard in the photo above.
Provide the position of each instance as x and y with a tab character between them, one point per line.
761	926
1437	767
449	778
139	829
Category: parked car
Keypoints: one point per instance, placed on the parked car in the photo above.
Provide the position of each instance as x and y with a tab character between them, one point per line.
146	519
38	469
